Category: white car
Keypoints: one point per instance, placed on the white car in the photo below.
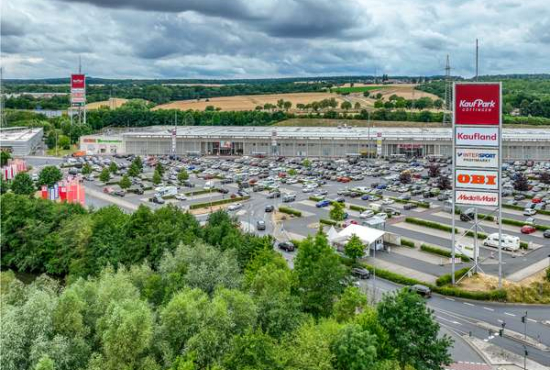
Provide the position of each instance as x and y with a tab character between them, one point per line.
366	214
308	189
291	181
382	216
234	207
387	201
529	212
181	197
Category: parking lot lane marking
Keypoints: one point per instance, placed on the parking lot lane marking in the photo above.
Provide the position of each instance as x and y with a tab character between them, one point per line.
488	309
532	320
468	304
451	321
509	314
500	321
449	299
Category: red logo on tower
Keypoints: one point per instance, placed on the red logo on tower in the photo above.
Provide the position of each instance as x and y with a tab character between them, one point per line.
477	104
78	82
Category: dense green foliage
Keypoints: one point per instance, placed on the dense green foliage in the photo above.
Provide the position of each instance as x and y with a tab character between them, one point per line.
155	291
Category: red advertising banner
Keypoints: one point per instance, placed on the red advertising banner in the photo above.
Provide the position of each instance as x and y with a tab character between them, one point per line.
78	82
477	104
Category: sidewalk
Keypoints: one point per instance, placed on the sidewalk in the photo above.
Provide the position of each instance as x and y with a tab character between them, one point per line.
402	270
529	270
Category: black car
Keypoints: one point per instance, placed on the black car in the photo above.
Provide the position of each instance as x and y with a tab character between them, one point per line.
226	181
360	273
223	190
423	290
137	190
269	208
546	233
340	199
274	194
467	215
157	200
409	206
119	193
287	246
260	225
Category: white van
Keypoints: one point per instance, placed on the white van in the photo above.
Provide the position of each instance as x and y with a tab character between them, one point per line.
166	191
208	185
509	242
376	207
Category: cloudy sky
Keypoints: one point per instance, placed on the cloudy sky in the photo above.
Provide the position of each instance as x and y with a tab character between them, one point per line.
271	38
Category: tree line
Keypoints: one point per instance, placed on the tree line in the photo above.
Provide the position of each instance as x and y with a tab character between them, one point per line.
155	290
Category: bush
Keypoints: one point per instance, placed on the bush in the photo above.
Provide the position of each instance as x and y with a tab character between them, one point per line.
548	274
420	203
199	192
328	222
391	276
357	208
407	243
290	211
446	279
315	199
217	202
441	252
430	224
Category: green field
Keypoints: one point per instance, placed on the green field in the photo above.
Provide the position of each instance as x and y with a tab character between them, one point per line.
355	89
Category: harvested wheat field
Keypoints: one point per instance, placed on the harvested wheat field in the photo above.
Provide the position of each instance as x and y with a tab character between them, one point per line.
112	103
406	91
247	102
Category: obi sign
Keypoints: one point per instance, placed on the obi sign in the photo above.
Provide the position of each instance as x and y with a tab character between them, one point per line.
477	104
487	180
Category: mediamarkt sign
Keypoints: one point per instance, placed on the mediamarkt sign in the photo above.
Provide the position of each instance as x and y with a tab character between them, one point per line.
477	104
476	198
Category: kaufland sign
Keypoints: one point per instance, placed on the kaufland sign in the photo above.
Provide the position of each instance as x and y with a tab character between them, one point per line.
477	104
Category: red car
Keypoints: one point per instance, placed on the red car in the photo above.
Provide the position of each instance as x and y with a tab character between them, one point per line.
343	179
528	229
350	222
536	200
108	190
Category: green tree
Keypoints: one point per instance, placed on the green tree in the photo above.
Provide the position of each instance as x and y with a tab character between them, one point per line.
354	248
138	163
23	184
379	104
45	363
407	320
134	170
350	303
253	350
306	163
113	167
157	178
183	176
160	169
366	93
368	319
345	105
105	175
4	157
548	274
125	182
292	172
354	349
287	105
357	106
280	103
319	273
438	104
4	185
49	176
86	169
64	142
337	212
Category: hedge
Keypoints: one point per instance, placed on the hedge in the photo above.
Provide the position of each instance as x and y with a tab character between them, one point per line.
199	192
492	295
353	207
417	202
217	202
438	226
441	252
290	211
407	243
446	279
315	199
508	221
328	222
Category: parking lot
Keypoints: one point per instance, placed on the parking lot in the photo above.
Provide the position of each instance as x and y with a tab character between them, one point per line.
384	194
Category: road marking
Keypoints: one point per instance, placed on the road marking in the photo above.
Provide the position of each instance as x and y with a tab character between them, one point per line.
509	314
468	304
488	309
449	299
532	320
451	321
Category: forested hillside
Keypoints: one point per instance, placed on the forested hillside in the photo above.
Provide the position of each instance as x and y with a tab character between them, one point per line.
155	291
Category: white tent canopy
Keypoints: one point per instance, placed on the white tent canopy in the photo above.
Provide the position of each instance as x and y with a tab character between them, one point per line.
367	235
331	234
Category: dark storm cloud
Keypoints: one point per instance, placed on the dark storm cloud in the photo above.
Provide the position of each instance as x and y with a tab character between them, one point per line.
10	28
235	9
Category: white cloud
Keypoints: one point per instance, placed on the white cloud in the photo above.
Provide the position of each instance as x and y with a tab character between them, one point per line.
271	38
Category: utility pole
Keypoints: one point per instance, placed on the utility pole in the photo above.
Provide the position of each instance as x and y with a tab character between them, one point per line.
448	94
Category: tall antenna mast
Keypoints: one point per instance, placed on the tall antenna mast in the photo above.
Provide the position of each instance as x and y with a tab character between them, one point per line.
448	93
2	112
79	64
477	60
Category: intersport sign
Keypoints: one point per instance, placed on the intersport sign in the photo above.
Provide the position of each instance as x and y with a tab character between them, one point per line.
484	158
476	136
477	104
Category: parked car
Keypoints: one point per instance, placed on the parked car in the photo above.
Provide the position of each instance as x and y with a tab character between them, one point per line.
529	212
528	229
287	246
157	200
421	289
409	206
366	214
269	208
260	225
340	199
467	215
322	203
274	194
119	193
234	207
361	273
546	233
108	190
181	197
509	242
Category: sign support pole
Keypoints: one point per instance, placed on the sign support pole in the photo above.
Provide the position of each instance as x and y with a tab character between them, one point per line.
500	194
453	210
